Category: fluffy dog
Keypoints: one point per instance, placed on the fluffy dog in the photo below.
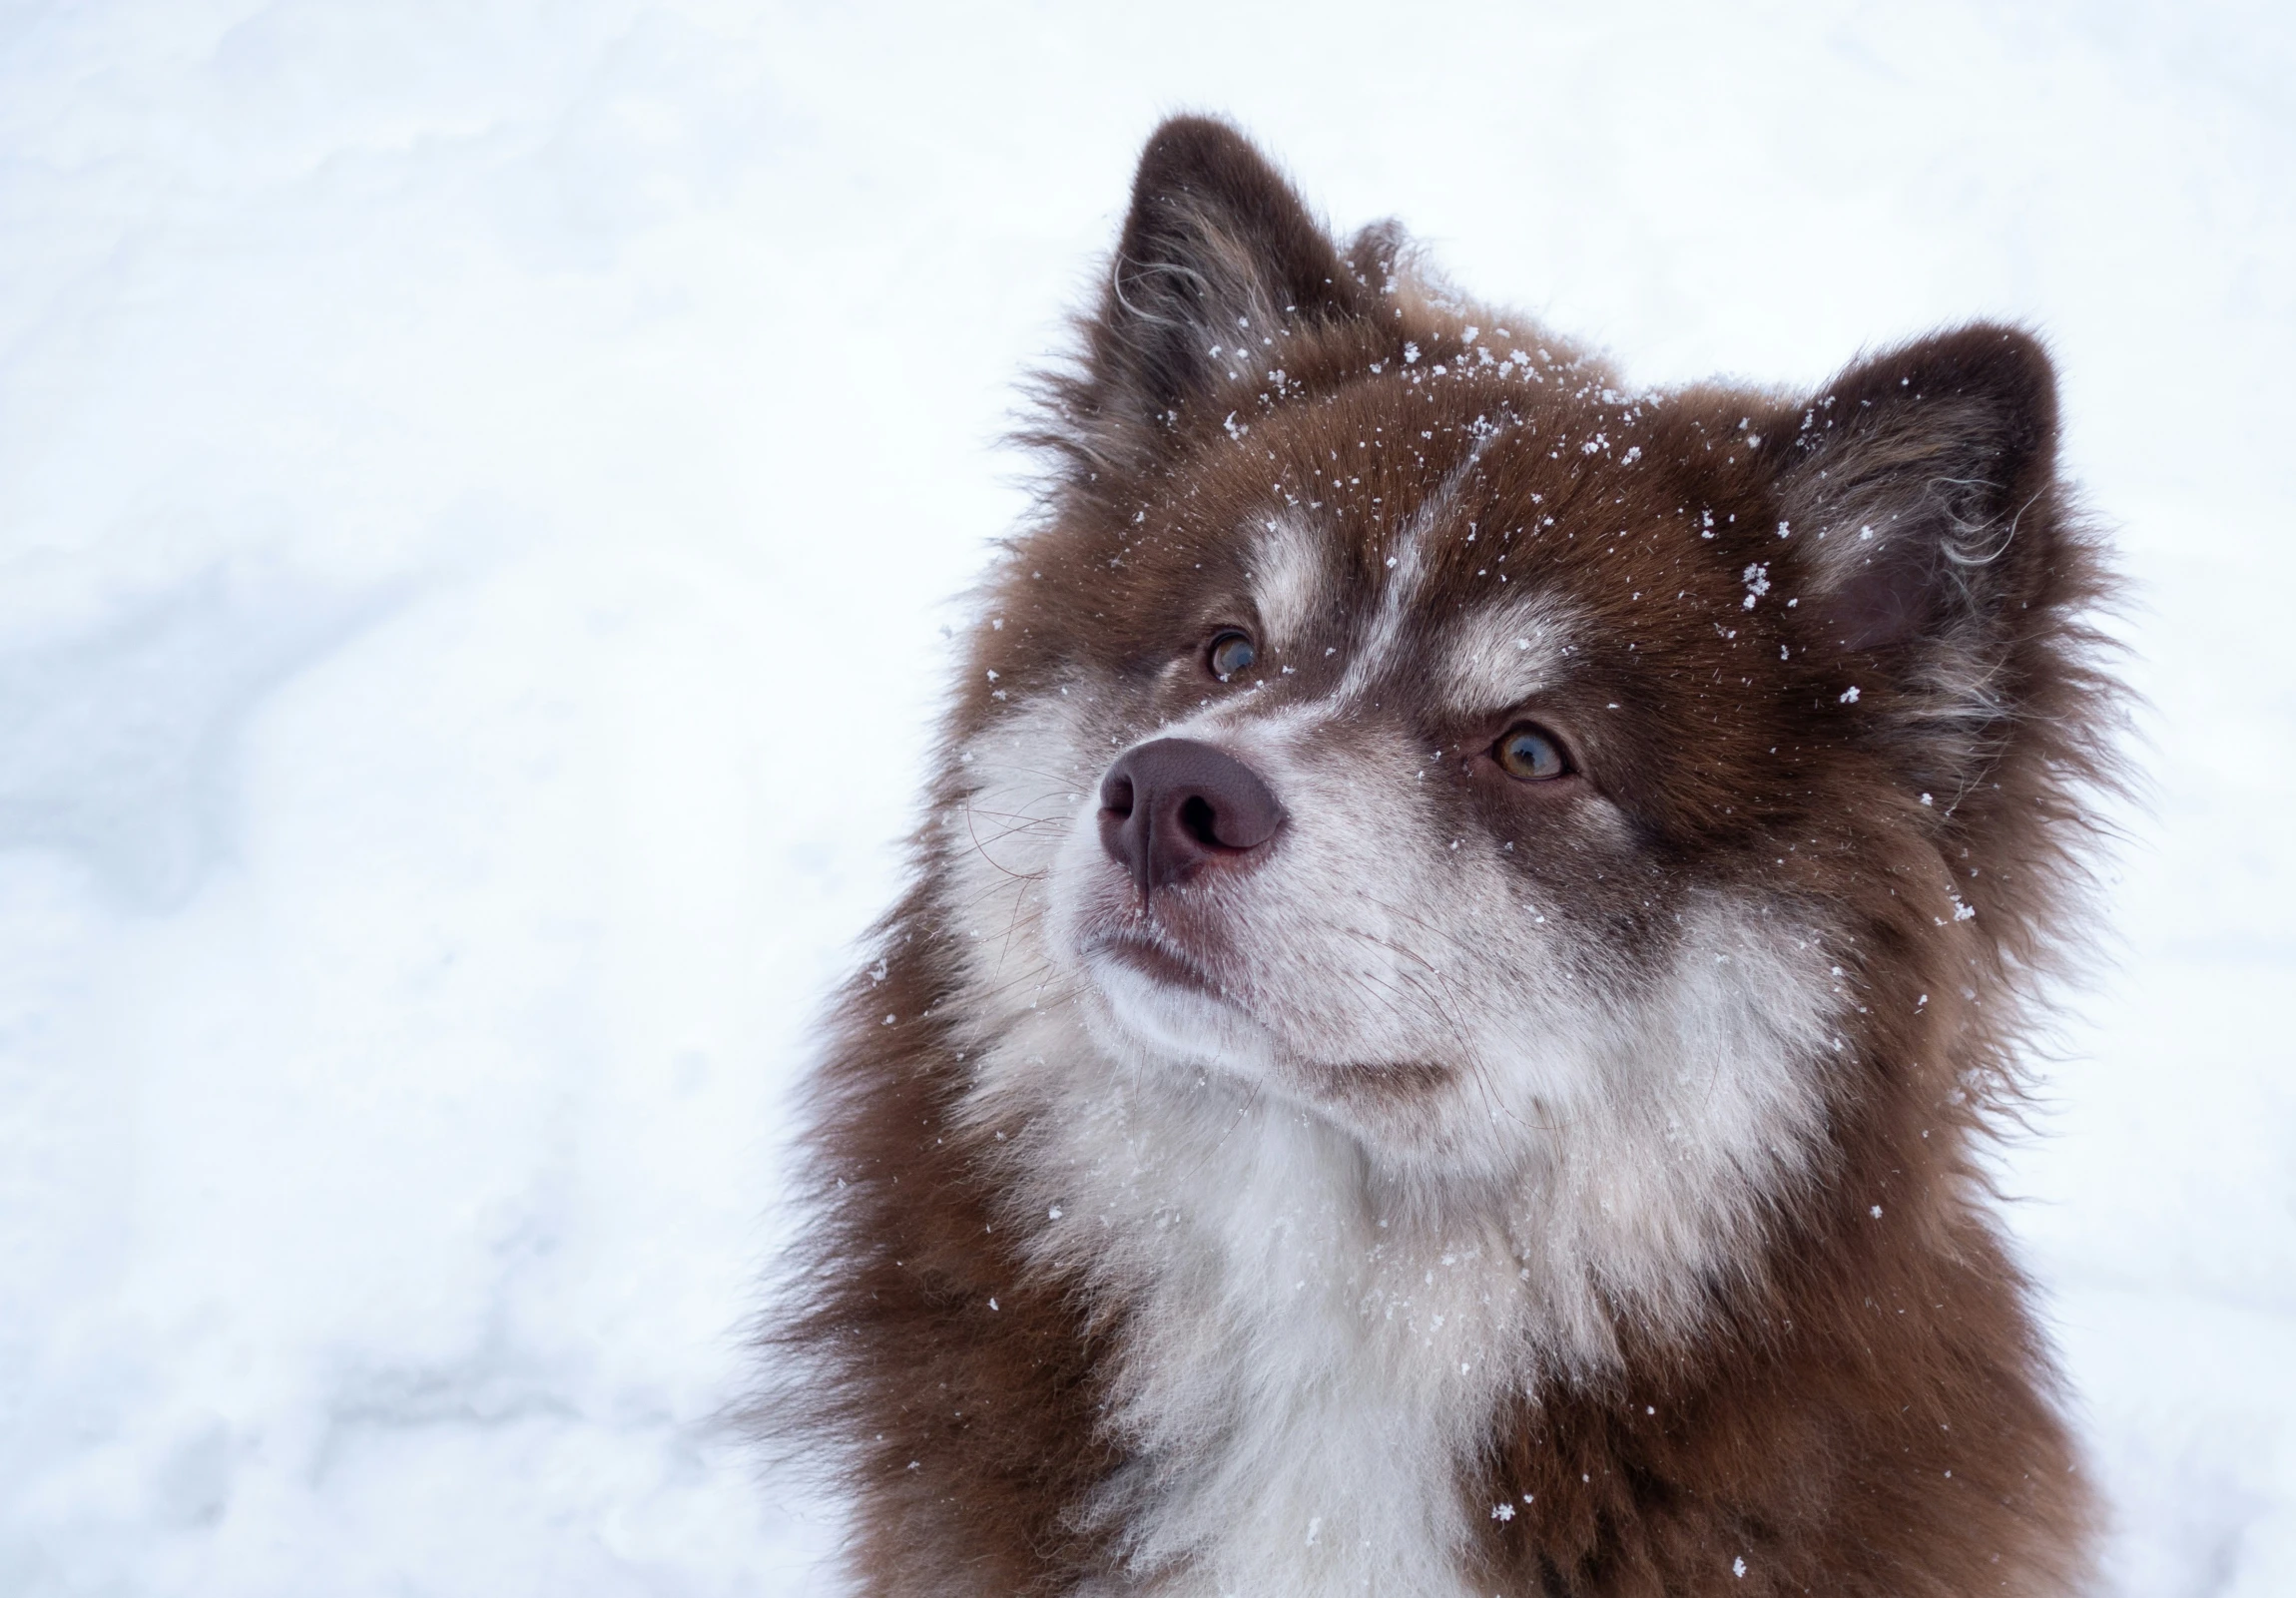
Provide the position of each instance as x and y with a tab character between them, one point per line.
1471	923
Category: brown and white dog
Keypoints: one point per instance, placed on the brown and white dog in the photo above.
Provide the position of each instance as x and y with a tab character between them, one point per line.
1472	926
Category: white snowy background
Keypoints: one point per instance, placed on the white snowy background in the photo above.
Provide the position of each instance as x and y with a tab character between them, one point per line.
481	485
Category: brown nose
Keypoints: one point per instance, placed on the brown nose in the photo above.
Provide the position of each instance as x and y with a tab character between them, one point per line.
1168	806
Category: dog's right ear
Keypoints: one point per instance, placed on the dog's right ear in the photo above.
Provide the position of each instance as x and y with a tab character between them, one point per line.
1218	255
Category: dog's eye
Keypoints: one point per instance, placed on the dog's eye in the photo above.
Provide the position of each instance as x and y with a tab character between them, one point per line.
1230	653
1531	754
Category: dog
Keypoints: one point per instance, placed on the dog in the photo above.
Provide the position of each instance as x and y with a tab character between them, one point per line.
1471	927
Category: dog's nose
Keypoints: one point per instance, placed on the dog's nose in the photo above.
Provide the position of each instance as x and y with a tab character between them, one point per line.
1170	806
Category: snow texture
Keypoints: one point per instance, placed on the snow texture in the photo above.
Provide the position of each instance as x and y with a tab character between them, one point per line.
479	489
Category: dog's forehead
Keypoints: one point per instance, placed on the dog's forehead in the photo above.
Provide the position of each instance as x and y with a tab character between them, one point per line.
1372	485
1481	542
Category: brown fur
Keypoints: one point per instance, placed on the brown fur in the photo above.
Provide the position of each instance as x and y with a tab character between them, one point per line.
1866	1408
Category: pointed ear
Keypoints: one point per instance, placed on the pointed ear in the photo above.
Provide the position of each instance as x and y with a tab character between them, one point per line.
1218	252
1920	492
1930	549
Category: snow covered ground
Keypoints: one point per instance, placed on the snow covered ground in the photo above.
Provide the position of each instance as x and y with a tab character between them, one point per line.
480	484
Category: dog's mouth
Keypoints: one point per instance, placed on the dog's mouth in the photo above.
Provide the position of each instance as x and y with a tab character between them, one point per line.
1165	994
1156	959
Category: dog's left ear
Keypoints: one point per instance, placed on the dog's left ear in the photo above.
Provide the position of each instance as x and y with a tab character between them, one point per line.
1218	256
1920	501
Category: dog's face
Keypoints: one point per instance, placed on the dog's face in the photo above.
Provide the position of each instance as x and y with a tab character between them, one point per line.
1400	784
1402	721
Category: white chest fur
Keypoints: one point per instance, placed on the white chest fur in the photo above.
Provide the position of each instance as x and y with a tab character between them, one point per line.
1303	1365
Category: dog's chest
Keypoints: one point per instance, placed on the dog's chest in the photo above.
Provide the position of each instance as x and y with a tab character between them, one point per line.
1297	1383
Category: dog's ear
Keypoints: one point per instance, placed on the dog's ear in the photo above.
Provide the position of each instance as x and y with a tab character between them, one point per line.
1923	524
1904	485
1218	256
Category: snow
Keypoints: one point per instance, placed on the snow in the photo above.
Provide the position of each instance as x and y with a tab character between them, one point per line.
480	486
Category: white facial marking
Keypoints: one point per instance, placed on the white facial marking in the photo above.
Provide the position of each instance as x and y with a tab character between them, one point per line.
1502	654
1407	570
1287	576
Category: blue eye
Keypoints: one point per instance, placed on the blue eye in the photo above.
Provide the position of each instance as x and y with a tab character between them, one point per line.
1231	653
1531	753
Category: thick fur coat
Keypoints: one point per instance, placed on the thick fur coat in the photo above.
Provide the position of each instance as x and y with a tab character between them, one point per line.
1470	925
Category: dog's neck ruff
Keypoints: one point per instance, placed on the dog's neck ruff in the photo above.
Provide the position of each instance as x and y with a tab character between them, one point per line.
1312	1343
1299	1369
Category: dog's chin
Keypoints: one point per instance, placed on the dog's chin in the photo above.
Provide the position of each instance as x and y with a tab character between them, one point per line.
1161	1014
1158	1008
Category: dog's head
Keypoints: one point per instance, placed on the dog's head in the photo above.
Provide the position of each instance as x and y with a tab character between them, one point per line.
1398	714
